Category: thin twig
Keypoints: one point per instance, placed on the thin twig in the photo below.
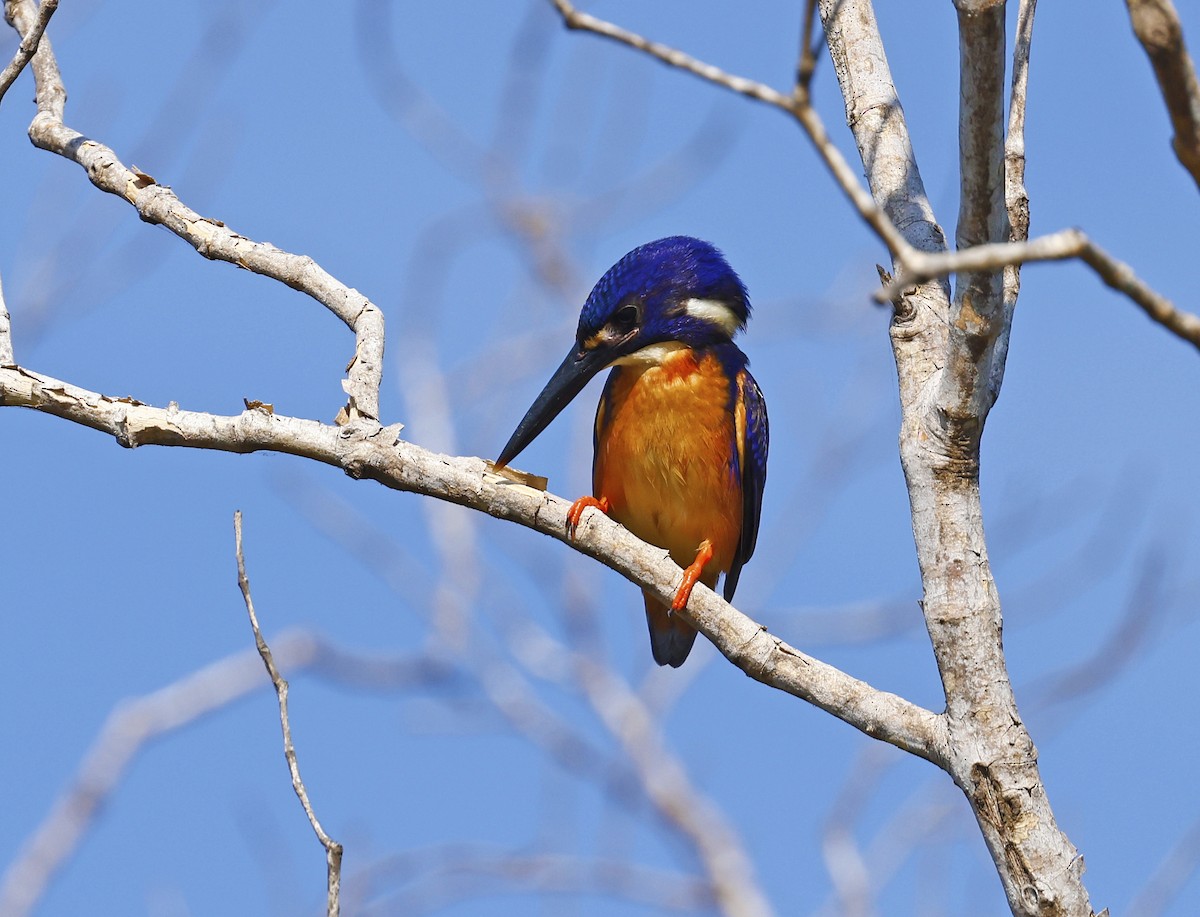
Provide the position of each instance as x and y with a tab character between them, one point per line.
28	46
808	50
797	106
333	850
1016	196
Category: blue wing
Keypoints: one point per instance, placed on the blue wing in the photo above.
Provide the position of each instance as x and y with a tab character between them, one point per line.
753	436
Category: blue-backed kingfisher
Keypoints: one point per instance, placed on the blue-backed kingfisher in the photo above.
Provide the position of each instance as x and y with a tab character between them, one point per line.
681	430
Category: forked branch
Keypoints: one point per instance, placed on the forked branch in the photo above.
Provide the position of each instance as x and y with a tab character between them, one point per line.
917	264
1060	246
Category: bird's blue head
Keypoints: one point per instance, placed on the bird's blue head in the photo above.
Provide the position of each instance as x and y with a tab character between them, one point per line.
675	291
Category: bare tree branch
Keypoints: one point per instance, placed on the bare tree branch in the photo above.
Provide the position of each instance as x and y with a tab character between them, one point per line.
28	45
367	450
1157	26
1059	246
158	204
333	850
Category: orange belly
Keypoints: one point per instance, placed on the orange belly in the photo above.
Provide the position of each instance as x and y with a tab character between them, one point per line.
665	459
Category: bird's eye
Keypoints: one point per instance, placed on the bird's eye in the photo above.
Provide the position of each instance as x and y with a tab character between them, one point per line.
625	319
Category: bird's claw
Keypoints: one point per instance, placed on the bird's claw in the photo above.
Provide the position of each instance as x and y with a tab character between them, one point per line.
691	576
575	513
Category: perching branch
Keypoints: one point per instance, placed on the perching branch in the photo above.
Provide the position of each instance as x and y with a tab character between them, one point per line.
367	450
333	850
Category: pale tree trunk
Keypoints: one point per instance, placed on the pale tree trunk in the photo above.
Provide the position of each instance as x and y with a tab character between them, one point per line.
950	360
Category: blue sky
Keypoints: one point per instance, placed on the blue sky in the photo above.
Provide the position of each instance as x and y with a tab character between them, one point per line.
397	144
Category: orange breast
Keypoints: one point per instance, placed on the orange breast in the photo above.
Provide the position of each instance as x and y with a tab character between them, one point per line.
664	457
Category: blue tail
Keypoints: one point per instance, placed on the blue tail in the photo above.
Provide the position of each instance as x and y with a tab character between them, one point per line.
671	637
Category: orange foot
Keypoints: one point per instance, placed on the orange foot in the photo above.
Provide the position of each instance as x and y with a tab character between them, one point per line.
576	512
692	575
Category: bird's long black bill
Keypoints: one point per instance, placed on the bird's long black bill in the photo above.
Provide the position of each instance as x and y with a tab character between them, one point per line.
568	381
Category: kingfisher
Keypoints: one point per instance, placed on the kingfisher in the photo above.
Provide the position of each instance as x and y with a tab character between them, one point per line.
680	439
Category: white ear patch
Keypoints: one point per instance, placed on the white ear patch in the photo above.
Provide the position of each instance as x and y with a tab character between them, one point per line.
650	355
714	312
